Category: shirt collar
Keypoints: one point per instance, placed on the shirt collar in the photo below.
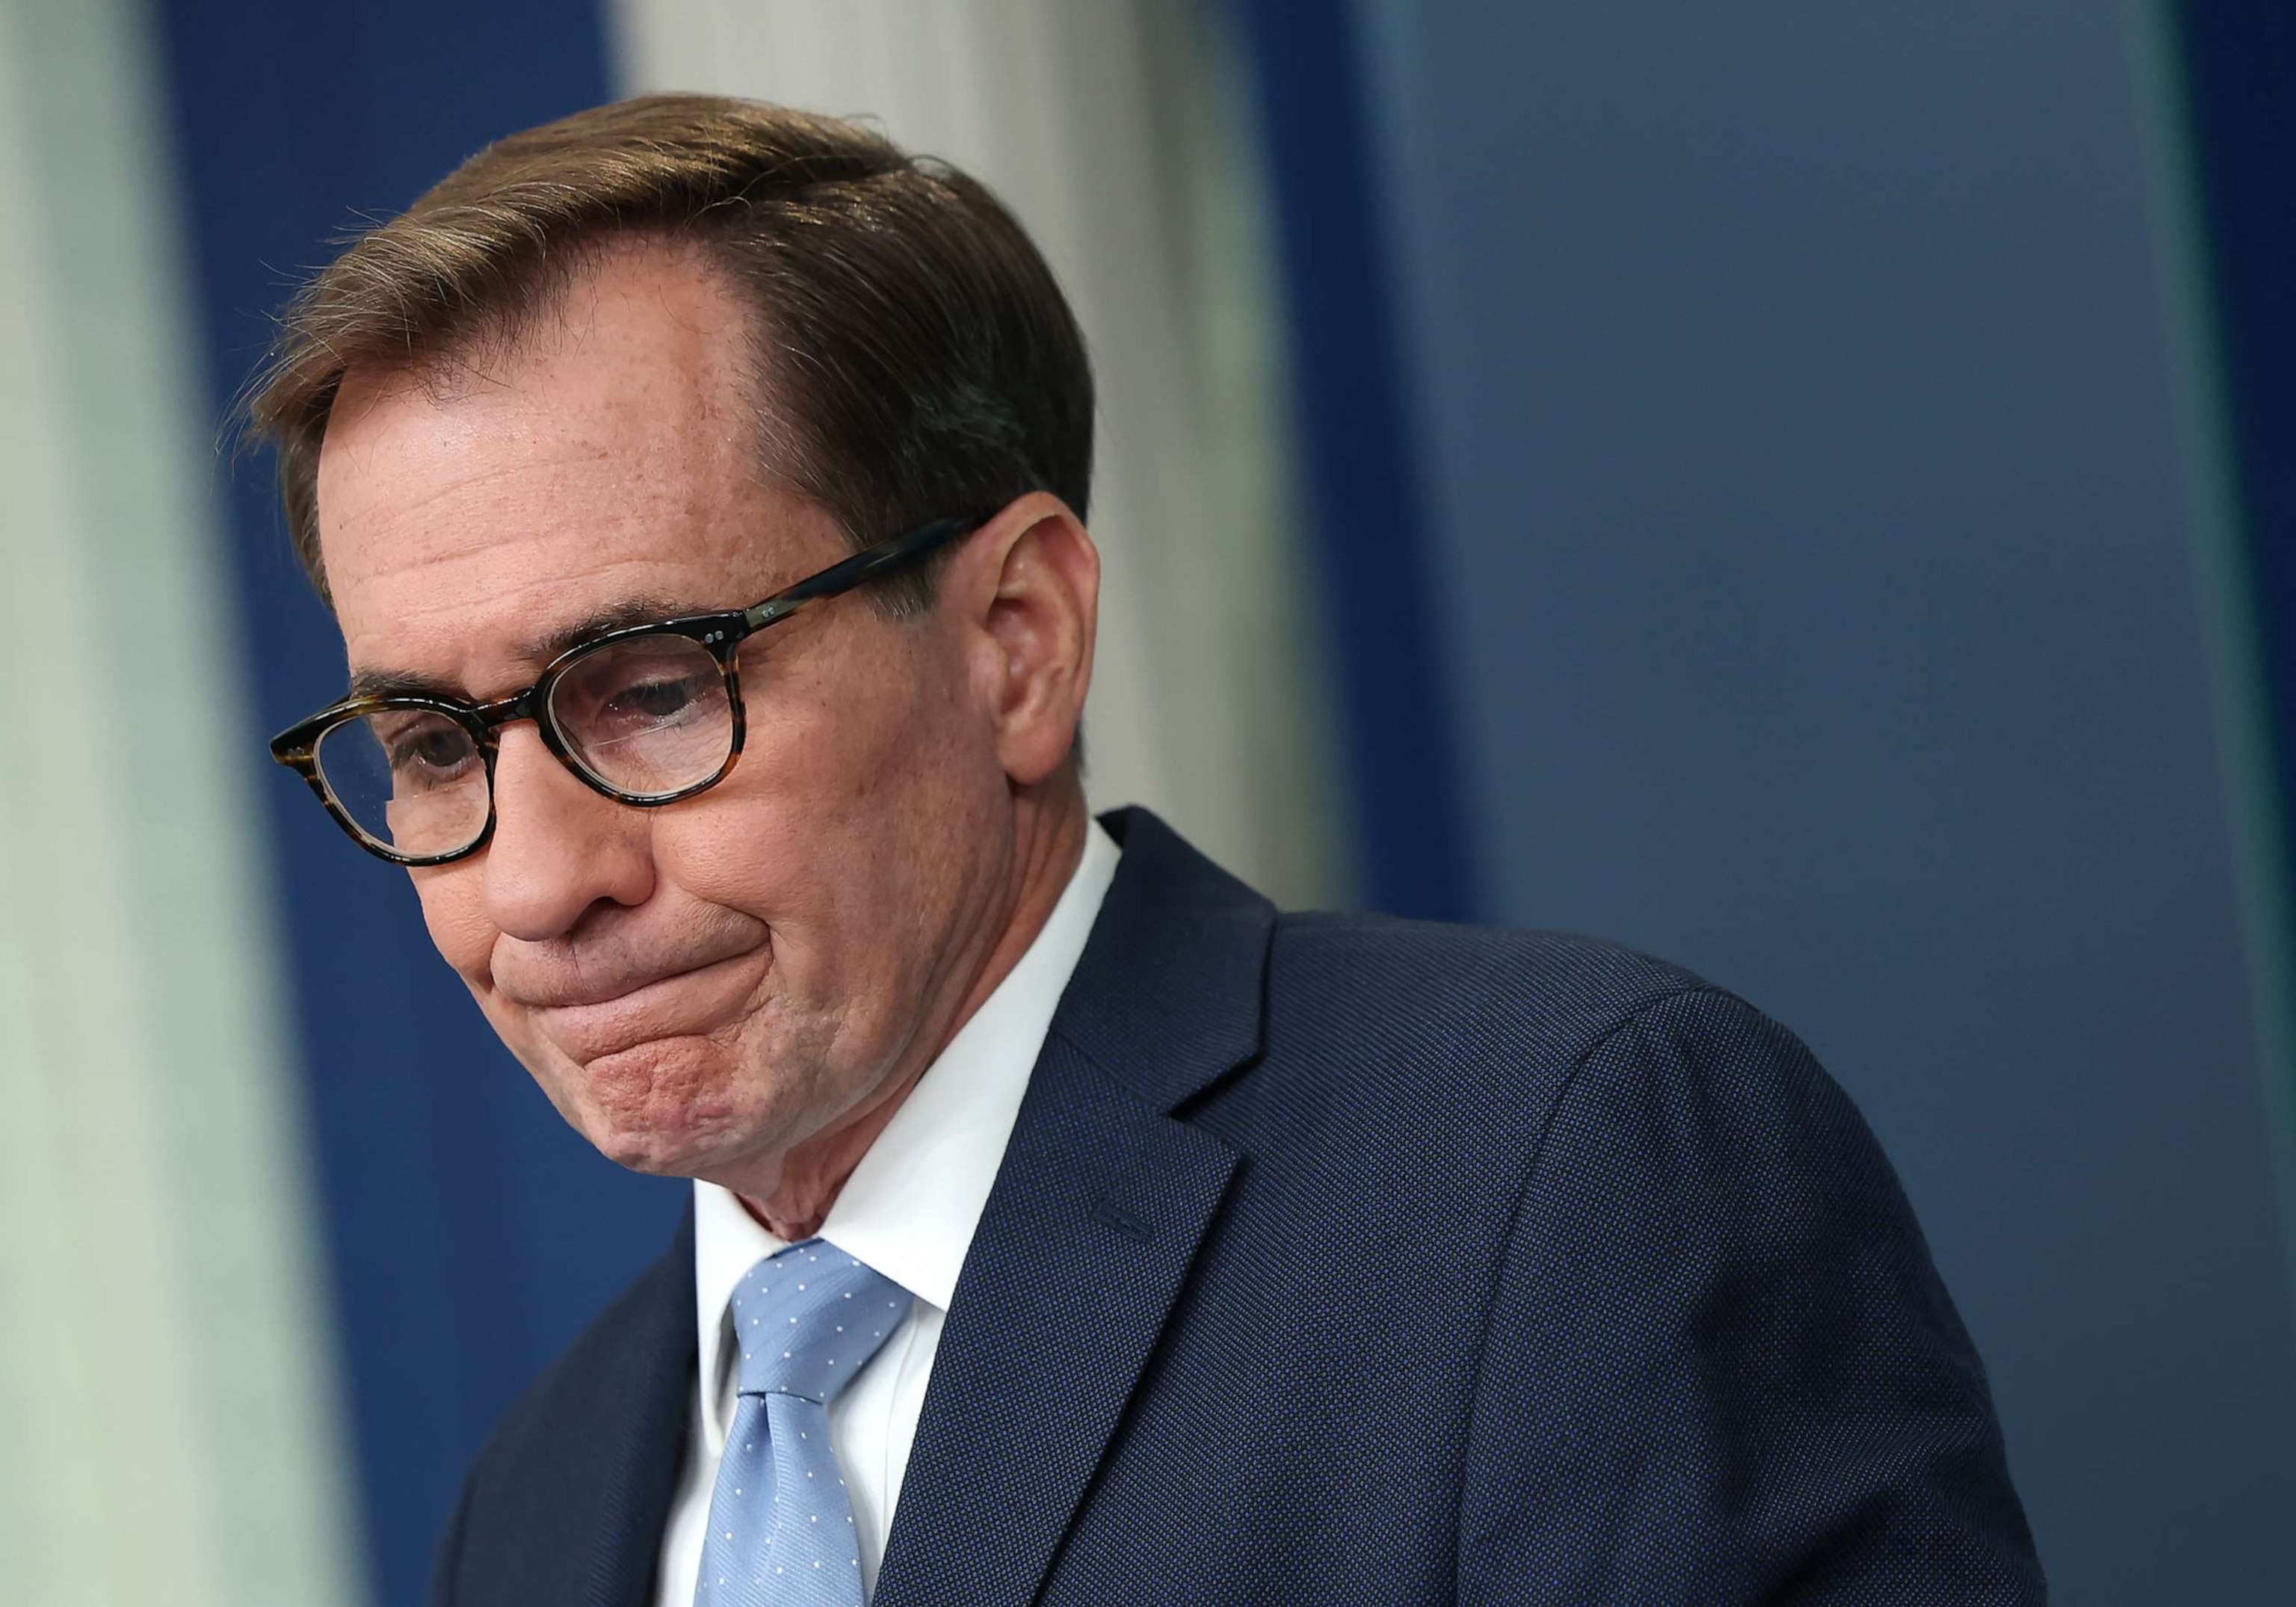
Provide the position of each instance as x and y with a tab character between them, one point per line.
910	1206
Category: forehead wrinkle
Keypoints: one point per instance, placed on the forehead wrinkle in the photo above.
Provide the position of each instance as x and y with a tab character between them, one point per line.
490	456
463	618
401	513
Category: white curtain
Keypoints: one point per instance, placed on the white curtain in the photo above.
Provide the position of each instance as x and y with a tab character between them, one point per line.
1112	128
167	1427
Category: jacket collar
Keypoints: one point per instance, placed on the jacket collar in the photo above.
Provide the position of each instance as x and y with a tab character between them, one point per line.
1166	1000
1103	1199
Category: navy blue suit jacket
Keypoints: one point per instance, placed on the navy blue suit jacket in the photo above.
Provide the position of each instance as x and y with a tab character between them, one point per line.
1341	1259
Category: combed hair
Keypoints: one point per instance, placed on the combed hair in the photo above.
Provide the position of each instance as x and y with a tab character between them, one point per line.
914	358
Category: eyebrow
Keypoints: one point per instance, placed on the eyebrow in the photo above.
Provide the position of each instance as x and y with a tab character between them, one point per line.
538	651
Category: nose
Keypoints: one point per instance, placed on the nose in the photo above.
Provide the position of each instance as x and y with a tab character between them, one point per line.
558	847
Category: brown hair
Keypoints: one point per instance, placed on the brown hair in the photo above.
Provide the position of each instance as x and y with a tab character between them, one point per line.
916	359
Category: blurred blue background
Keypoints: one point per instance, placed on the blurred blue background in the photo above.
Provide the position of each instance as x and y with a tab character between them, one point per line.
1804	489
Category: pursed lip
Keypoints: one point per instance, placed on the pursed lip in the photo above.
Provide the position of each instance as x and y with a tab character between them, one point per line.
677	1004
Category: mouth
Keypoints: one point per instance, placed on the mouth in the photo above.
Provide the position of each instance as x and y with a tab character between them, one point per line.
685	1003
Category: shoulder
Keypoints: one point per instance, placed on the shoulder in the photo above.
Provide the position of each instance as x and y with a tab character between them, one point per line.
1514	1011
1431	971
1493	1071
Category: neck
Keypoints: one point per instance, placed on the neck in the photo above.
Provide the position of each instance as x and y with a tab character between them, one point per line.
1049	836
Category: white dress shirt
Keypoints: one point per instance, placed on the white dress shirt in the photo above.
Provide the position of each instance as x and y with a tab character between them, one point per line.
908	1210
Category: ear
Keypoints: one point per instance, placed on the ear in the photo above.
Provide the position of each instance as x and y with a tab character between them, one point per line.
1028	586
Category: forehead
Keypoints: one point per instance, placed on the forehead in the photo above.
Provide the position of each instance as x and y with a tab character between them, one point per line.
606	457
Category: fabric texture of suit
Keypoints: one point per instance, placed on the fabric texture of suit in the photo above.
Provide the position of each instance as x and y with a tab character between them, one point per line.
1342	1259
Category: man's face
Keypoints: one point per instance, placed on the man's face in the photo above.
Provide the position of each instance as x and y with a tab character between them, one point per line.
700	987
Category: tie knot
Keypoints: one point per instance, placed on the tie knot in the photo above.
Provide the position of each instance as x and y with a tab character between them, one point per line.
808	1318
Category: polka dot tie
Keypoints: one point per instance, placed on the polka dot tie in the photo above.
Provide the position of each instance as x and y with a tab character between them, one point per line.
780	1526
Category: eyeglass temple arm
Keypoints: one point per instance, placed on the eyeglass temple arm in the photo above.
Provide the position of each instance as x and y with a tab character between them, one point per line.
863	566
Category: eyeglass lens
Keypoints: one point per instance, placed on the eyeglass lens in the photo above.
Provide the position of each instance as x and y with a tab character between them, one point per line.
412	780
647	717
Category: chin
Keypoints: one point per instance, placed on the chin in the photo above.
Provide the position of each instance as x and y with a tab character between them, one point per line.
672	1109
666	1150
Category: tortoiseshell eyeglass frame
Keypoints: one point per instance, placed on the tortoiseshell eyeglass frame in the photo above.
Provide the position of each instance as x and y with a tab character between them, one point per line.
723	633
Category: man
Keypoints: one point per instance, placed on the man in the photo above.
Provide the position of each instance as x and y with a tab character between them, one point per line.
700	487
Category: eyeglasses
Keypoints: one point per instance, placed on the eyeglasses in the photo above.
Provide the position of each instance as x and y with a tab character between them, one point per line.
646	715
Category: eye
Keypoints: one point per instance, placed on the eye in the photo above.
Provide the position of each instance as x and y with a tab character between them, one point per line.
427	751
630	688
656	701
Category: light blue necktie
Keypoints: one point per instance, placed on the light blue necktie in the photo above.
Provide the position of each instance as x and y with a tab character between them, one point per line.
807	1319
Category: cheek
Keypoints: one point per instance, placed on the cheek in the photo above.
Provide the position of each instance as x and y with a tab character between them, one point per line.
453	908
738	856
821	777
848	824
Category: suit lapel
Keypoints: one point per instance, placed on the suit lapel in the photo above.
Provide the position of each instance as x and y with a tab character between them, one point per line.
1102	1203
